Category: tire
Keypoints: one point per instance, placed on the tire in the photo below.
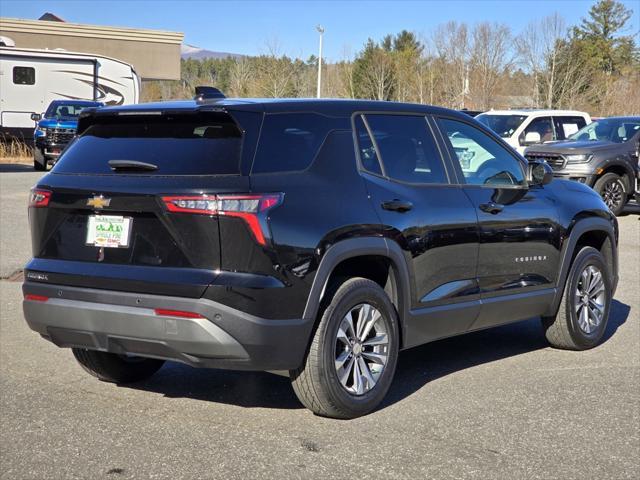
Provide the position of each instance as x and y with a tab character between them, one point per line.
566	330
317	382
39	160
613	192
110	367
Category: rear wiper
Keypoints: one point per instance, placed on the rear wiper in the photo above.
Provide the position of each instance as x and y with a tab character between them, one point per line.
131	165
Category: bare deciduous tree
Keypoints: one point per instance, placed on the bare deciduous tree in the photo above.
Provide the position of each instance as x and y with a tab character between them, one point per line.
490	57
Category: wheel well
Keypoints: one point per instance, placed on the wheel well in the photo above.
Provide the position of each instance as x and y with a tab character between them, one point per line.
377	268
599	240
619	170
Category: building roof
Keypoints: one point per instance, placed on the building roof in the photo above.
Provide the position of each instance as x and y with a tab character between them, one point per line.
45	27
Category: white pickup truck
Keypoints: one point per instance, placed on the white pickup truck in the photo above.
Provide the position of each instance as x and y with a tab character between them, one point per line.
522	128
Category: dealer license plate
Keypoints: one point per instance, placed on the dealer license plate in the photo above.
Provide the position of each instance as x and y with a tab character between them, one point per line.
110	231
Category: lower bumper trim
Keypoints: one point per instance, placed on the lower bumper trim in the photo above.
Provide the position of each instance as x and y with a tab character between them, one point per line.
125	323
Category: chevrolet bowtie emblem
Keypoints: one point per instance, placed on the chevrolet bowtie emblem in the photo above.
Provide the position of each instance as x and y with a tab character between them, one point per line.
98	202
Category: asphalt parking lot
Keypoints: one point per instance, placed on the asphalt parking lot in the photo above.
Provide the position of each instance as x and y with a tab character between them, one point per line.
495	404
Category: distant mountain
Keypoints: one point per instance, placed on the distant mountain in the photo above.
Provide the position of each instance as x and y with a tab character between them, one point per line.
189	51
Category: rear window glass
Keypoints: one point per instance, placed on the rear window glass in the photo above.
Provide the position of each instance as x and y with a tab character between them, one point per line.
289	141
199	144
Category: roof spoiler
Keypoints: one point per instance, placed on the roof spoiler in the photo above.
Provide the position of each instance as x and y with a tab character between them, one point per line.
207	93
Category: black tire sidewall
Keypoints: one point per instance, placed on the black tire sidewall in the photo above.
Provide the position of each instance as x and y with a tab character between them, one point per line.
39	160
587	256
345	299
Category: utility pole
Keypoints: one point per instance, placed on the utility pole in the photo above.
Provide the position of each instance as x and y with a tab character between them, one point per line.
320	30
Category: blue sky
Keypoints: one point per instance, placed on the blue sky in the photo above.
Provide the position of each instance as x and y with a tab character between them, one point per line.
247	27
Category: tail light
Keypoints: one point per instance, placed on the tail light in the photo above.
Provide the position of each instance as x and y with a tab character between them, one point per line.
39	198
252	209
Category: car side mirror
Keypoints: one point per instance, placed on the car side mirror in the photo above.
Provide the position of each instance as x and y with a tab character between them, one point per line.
540	173
531	138
36	117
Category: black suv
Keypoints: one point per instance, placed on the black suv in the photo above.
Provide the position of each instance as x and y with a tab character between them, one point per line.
315	236
603	155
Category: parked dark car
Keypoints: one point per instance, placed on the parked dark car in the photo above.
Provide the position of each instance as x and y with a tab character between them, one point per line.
320	237
602	155
55	128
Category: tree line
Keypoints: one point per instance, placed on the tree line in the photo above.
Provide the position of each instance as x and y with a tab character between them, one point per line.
592	66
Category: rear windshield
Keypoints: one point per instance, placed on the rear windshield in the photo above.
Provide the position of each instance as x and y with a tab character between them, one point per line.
187	144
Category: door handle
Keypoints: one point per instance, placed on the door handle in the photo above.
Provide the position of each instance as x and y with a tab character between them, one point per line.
397	205
492	207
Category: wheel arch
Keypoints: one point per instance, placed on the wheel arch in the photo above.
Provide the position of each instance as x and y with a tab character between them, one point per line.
374	258
595	232
622	170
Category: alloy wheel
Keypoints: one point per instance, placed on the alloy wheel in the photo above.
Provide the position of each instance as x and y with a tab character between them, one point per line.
590	299
362	349
612	194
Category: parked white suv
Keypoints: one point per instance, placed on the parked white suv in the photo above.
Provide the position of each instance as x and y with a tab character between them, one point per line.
522	128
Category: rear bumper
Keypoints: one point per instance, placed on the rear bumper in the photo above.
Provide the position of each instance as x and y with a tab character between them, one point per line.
121	322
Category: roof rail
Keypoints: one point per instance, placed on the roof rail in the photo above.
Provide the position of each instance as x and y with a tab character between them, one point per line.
207	93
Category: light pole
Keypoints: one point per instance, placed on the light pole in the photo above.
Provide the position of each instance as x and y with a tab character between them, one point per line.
320	30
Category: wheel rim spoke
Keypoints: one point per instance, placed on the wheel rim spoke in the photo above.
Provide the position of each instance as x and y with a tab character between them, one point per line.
375	316
347	371
378	358
381	339
363	318
364	368
343	337
342	359
347	323
357	379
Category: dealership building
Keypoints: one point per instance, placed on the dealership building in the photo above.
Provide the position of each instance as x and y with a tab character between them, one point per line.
154	54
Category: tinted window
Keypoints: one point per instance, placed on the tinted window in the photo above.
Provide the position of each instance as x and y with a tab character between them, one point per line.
483	160
368	155
289	141
566	126
24	75
203	144
542	126
407	148
503	125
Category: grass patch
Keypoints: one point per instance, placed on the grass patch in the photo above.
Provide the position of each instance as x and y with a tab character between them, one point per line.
15	152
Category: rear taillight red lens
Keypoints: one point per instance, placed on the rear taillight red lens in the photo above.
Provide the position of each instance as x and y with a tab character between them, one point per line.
251	208
39	198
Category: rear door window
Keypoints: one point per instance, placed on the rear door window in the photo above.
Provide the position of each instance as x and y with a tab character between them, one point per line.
289	142
407	147
567	126
189	144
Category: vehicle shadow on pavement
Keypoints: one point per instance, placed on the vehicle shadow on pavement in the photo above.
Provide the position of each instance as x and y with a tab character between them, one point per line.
416	367
421	365
15	168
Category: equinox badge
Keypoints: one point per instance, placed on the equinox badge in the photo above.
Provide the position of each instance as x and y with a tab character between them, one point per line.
98	202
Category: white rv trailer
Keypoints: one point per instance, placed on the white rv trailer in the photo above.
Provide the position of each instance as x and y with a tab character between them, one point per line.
30	79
